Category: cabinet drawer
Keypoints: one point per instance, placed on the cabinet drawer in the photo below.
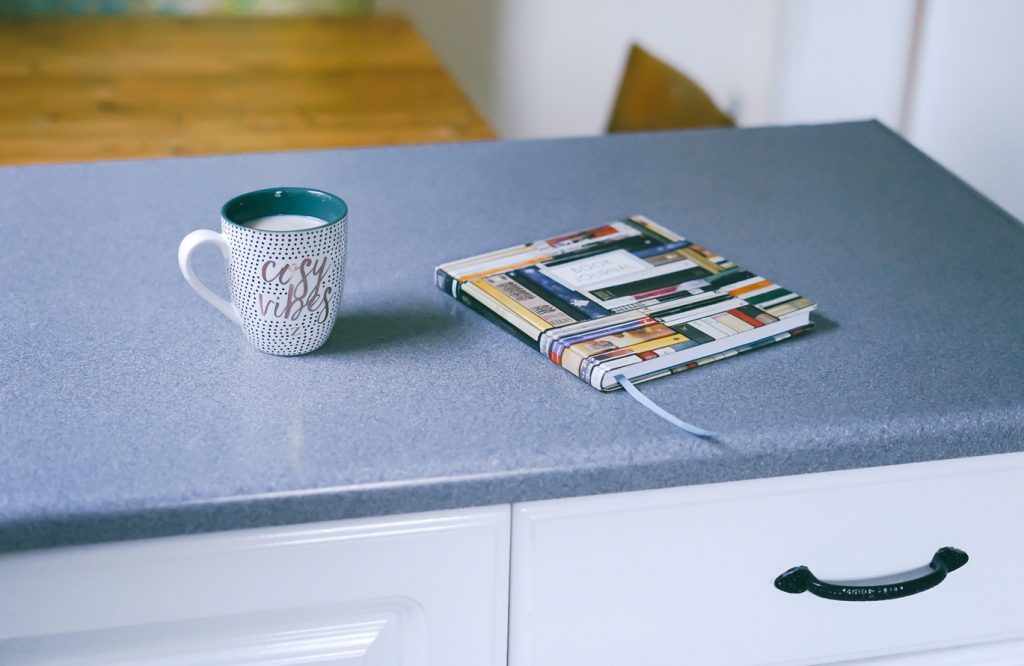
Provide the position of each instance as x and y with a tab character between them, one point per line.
685	575
417	590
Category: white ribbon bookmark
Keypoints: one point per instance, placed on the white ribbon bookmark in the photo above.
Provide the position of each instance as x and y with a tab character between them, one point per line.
653	406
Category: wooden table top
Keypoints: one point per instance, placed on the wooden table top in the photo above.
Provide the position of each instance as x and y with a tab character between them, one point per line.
121	87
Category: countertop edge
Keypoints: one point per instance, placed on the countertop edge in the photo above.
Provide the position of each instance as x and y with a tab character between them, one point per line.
375	500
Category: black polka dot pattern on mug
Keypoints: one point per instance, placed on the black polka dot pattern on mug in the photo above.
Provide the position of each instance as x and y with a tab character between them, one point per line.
286	285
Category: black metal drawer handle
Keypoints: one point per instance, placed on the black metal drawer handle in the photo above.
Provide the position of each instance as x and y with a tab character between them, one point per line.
800	579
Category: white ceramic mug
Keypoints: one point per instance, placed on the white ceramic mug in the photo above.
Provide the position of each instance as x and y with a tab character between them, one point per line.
285	254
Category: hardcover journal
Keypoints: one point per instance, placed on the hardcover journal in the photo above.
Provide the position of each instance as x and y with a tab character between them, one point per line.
629	300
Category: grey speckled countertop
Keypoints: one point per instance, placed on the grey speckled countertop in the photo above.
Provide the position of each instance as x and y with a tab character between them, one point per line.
130	408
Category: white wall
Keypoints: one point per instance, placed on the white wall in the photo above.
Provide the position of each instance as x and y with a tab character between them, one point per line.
545	68
967	109
564	58
842	60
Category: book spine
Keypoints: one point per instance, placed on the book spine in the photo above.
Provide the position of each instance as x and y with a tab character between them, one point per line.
446	283
696	363
486	313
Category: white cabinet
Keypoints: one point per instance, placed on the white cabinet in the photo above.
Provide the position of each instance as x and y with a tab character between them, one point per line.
685	575
427	589
681	576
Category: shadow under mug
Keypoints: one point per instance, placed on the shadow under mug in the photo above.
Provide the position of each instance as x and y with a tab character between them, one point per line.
285	285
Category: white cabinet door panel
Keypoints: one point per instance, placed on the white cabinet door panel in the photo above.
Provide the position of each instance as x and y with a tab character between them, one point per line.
420	589
1001	653
685	575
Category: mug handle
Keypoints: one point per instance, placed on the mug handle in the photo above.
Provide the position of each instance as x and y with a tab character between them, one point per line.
188	244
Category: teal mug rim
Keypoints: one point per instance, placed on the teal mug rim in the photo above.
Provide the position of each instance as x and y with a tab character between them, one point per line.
284	201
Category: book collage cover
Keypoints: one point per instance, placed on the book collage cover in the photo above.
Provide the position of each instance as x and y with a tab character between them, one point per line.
628	298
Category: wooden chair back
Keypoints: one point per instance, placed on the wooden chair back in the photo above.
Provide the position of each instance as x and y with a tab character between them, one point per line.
655	96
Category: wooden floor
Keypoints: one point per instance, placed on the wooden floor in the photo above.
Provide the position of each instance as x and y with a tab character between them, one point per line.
121	87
